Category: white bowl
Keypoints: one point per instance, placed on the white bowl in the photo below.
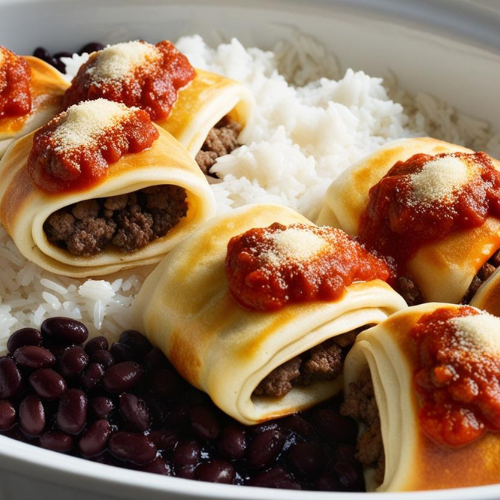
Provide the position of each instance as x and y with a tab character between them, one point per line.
448	48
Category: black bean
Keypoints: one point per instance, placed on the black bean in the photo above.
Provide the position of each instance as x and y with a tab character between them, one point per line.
308	459
72	412
232	442
350	477
132	447
92	376
91	47
96	344
22	337
56	347
11	383
48	384
335	427
105	358
164	439
185	471
57	441
265	426
157	466
345	453
204	422
215	471
123	352
65	329
135	412
42	53
31	415
58	55
73	361
95	439
58	64
300	426
123	377
155	359
33	357
274	478
329	482
186	453
138	342
7	415
265	447
166	382
101	406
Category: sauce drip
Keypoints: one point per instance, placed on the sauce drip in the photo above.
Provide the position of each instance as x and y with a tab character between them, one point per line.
270	267
426	198
73	151
15	80
136	74
458	378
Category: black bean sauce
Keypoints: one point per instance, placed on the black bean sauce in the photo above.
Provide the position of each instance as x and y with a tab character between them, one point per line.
127	406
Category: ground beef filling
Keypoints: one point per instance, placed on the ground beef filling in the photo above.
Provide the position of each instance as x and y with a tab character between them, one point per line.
360	404
127	222
322	362
221	140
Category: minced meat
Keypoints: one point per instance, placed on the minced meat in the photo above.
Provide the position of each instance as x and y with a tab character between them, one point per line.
221	140
322	362
127	222
409	290
360	404
482	275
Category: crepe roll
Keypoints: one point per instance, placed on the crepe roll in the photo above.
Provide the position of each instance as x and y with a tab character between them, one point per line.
98	189
203	110
32	93
263	330
431	206
423	386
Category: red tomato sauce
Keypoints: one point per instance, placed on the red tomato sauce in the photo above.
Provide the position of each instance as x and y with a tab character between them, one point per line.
15	80
56	169
270	267
396	224
152	86
457	381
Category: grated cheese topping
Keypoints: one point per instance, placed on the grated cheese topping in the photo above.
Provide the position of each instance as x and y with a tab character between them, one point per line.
480	332
293	244
83	124
118	62
440	179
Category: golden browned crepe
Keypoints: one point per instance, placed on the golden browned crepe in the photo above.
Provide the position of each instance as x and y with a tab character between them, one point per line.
202	104
24	207
47	90
185	308
412	460
443	270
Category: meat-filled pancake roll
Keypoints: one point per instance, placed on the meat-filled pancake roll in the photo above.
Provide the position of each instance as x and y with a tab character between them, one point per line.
98	189
432	207
424	387
32	93
259	306
204	111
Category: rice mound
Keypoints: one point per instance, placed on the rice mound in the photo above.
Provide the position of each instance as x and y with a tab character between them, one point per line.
311	123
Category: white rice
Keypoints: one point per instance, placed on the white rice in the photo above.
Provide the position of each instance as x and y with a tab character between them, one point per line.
311	123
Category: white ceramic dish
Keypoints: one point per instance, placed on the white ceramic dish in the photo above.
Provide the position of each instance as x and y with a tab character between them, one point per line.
446	47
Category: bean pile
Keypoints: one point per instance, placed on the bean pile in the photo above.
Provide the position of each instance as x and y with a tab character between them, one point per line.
55	59
127	406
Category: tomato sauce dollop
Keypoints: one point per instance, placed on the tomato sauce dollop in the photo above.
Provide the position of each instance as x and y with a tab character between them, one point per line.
458	377
408	208
270	267
150	83
74	150
15	81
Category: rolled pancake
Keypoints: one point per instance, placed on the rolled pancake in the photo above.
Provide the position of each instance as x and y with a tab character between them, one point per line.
412	461
443	270
202	104
47	91
185	309
24	207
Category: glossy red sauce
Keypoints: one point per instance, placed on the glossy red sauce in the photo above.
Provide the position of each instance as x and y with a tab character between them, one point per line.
152	86
56	169
270	267
458	385
396	225
15	80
